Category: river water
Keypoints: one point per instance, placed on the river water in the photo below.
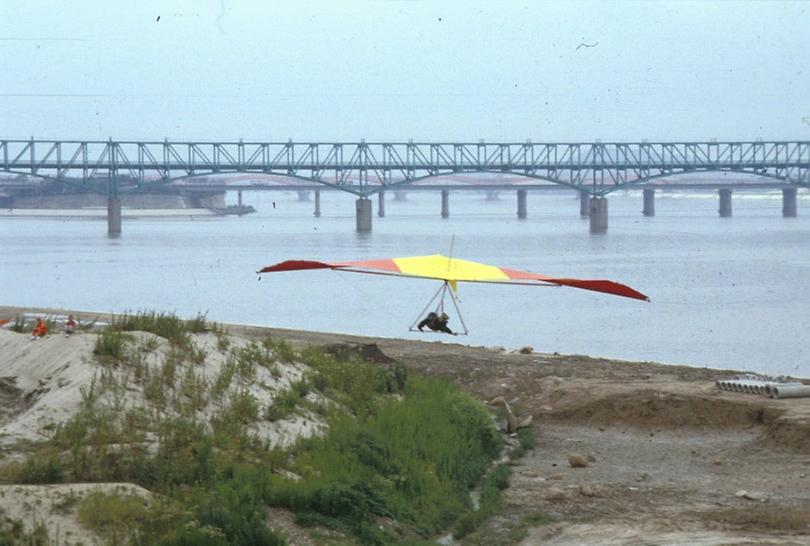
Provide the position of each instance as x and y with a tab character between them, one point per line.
726	292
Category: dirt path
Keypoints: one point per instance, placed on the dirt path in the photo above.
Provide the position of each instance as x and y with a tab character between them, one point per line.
673	459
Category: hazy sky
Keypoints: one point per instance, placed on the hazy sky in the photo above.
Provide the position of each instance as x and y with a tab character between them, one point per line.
426	70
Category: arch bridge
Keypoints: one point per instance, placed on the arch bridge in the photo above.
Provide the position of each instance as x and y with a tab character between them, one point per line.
365	168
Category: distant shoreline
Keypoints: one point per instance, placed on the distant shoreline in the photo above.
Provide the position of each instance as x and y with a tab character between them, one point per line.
306	337
100	213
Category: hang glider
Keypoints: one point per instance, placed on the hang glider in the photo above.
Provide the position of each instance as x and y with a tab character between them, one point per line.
454	270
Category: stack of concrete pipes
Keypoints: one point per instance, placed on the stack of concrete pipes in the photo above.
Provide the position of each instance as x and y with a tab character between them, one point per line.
775	387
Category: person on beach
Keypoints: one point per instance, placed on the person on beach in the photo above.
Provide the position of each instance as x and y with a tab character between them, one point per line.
437	323
71	325
40	329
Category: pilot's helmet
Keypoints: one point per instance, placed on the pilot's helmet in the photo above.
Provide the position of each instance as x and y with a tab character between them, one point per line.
445	316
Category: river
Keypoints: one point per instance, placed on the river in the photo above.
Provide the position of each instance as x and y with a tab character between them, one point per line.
726	292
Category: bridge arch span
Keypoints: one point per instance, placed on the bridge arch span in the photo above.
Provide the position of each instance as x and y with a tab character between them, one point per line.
302	178
787	180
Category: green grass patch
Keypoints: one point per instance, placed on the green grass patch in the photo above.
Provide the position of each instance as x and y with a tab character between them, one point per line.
355	384
413	460
526	442
496	480
112	515
507	531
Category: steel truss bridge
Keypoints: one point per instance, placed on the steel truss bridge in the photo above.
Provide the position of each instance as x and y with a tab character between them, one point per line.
364	168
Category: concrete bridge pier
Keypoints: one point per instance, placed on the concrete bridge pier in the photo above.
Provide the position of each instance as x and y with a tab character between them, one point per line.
445	203
381	204
584	204
649	202
363	214
317	212
239	198
789	202
725	202
521	204
599	214
114	216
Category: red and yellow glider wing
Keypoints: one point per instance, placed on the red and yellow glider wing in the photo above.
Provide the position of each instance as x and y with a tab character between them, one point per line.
454	270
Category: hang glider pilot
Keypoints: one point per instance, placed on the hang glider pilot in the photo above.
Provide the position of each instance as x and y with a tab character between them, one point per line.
437	323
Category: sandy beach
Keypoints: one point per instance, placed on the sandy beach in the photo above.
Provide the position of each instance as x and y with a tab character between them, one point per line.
671	459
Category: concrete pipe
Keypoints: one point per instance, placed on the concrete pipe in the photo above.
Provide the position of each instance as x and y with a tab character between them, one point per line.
791	390
771	385
757	387
739	386
749	386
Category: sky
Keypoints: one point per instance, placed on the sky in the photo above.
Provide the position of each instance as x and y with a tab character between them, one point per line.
221	70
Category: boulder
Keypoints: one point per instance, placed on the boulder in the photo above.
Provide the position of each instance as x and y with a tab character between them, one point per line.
577	461
555	494
594	490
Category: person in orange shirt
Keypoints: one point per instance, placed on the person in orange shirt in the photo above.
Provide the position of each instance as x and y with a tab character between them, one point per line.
40	330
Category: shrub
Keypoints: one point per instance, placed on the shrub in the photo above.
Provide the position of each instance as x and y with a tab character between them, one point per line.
196	354
111	346
199	324
12	533
356	384
284	403
165	325
20	325
281	349
526	441
223	379
112	515
244	408
235	507
526	438
47	468
300	388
